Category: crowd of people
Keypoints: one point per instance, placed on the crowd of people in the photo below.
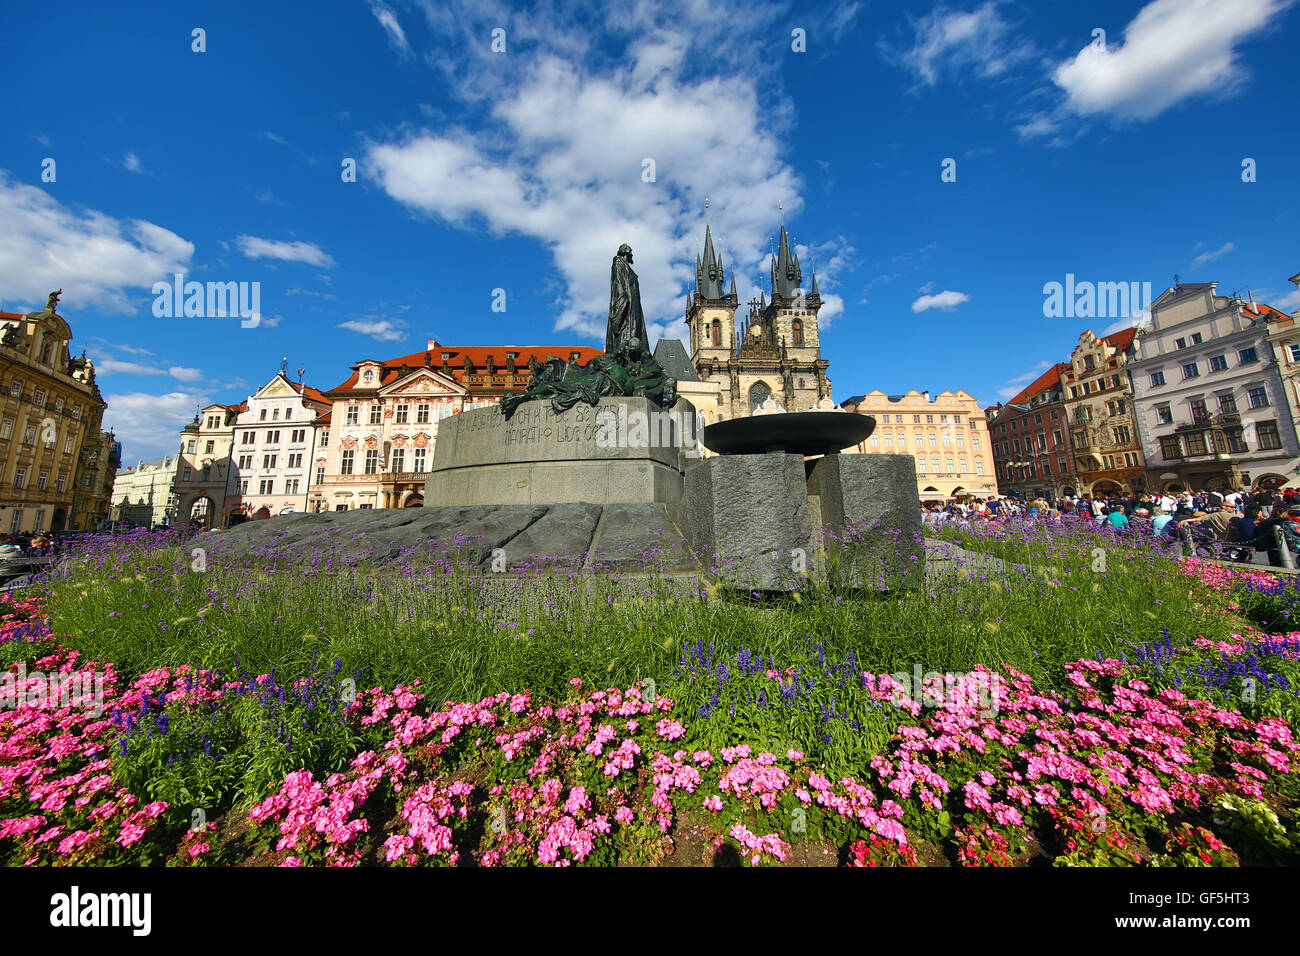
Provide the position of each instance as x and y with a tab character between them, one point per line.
18	552
1242	522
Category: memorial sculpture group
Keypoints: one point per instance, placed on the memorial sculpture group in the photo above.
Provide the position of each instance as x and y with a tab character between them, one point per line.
599	465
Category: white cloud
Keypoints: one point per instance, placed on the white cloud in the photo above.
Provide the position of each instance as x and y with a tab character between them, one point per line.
149	425
980	41
187	375
132	163
1210	256
1139	319
94	258
388	20
947	300
382	330
1013	385
111	366
254	248
1172	50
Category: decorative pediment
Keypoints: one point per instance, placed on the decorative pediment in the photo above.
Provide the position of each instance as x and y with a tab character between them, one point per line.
372	441
348	442
421	440
424	383
277	388
399	441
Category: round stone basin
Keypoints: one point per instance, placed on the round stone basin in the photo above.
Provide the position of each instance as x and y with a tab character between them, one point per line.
799	433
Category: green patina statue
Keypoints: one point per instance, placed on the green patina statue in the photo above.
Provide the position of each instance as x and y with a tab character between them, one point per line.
627	368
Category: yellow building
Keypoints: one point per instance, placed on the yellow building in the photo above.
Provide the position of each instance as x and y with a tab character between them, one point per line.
947	435
52	452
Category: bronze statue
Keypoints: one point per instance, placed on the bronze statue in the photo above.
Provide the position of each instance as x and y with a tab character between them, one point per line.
627	367
53	301
626	321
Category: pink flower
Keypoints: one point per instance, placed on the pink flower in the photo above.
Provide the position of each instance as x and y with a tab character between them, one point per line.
713	803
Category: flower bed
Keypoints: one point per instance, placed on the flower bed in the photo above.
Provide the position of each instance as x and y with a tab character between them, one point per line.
1118	770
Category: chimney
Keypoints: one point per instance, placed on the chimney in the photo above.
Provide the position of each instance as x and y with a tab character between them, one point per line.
433	344
1251	296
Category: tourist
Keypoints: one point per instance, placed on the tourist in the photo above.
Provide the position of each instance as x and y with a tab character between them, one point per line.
1116	518
1242	533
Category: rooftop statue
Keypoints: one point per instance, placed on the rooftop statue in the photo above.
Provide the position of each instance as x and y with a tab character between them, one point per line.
52	303
627	368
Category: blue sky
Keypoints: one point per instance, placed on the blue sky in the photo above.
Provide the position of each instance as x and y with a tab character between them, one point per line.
1115	158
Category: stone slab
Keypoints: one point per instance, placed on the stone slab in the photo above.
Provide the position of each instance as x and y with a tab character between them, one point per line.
621	450
871	516
749	519
634	537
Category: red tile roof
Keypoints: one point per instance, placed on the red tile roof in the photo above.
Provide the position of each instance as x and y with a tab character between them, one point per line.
1122	339
396	368
1048	379
1270	314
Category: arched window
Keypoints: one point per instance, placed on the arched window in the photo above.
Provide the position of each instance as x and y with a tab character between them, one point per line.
798	332
758	394
717	333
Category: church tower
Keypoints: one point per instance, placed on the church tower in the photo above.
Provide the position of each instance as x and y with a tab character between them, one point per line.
711	312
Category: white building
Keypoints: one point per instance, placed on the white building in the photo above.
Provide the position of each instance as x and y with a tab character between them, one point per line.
143	494
273	445
1212	410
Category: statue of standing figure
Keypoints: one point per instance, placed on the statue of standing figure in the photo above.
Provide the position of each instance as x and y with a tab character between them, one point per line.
626	321
52	303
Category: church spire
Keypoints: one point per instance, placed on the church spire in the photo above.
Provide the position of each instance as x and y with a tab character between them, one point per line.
786	274
709	269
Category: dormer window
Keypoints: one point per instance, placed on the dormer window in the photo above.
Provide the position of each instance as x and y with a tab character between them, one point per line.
446	356
369	376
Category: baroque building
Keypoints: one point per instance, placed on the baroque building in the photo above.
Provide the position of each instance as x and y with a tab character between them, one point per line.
55	462
204	466
947	435
1212	404
143	495
776	351
1102	417
378	434
1031	440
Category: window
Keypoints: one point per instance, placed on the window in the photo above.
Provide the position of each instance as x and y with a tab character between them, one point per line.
372	461
38	397
376	415
1056	439
325	438
1227	404
1190	370
1196	338
1218	363
245	462
422	413
291	486
1169	447
210	445
295	461
916	419
400	417
1295	352
920	465
1258	397
268	462
266	486
16	389
243	487
961	440
1180	343
272	439
1042	441
17	521
345	461
1121	434
298	436
320	474
948	463
186	475
288	413
875	441
419	460
934	441
929	419
275	415
947	440
20	478
962	465
67	445
1089	362
60	483
7	428
1196	443
934	465
42	480
975	442
399	459
189	446
1268	436
263	416
1200	414
979	467
798	332
354	415
444	408
29	435
58	404
1247	356
889	440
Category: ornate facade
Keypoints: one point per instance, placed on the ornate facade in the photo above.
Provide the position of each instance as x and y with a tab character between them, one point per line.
1102	416
205	466
55	462
1031	440
947	435
776	353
